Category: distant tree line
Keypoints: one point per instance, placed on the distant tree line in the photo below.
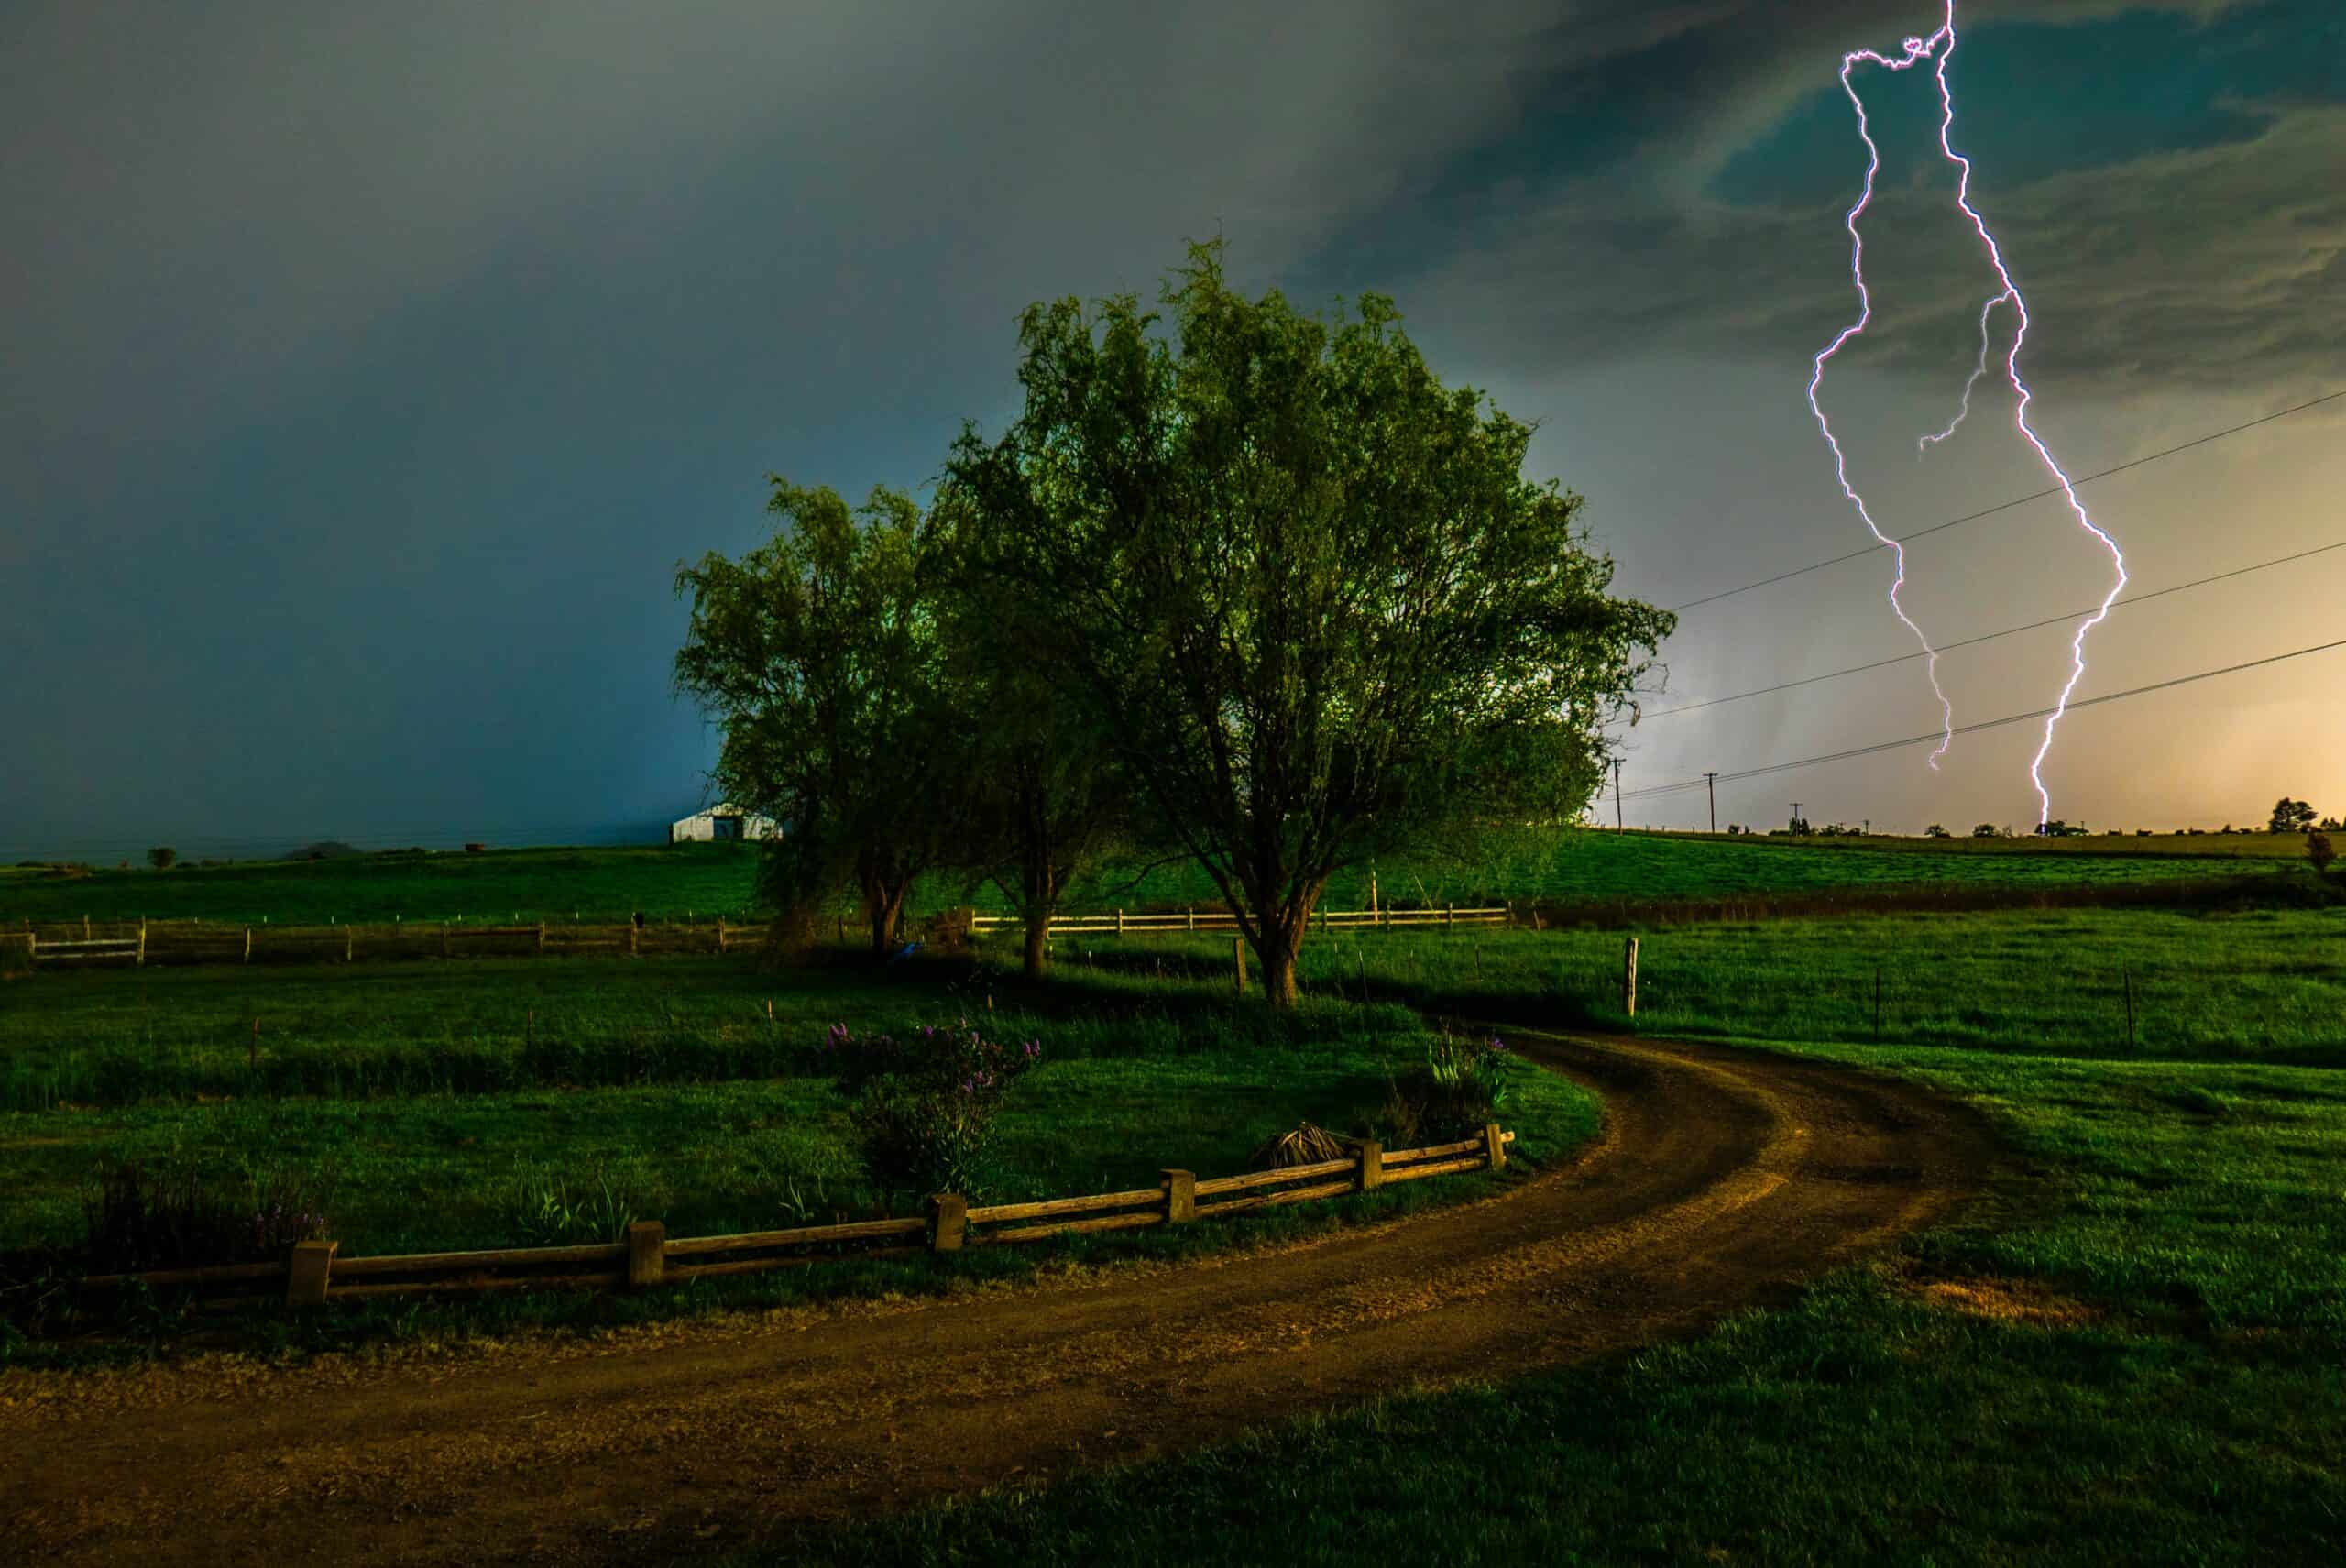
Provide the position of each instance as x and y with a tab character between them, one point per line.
1243	582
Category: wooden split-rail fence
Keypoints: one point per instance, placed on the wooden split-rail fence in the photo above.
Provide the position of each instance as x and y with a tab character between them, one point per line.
1119	924
314	1274
139	943
136	943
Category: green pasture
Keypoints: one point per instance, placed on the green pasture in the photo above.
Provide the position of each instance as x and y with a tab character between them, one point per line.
665	882
442	1101
2254	982
2163	1270
2264	983
1519	864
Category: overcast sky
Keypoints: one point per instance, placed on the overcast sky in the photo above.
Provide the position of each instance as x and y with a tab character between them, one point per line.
366	370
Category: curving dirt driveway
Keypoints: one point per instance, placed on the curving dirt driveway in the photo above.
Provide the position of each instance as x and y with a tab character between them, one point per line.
1722	1177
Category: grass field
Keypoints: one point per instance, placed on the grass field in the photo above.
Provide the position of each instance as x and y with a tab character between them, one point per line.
447	1104
2139	1359
2135	1353
1523	865
2258	984
2251	983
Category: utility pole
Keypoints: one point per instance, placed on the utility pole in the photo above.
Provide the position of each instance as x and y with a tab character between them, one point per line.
1711	782
1616	794
1795	811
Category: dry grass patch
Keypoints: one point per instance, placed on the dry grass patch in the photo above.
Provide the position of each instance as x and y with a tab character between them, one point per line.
2005	1300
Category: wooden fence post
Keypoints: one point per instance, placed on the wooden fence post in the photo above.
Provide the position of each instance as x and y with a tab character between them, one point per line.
349	943
1495	1145
1120	922
248	944
1372	1164
1449	915
1238	955
1180	1196
141	962
632	930
306	1275
1193	917
720	935
948	1217
541	938
1630	978
647	1254
85	928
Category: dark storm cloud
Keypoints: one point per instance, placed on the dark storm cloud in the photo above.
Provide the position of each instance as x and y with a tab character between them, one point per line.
365	370
2164	182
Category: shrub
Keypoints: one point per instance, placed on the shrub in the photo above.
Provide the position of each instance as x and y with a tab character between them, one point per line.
1468	1083
162	857
2320	851
175	1216
924	1107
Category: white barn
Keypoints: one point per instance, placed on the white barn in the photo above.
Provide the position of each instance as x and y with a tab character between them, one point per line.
726	822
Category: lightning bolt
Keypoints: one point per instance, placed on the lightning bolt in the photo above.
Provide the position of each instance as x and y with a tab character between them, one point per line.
1816	378
1939	48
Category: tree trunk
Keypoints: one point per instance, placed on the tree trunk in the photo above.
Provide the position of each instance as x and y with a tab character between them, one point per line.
1278	970
1282	942
1039	938
1041	881
882	904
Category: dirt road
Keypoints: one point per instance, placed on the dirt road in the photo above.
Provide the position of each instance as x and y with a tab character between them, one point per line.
1721	1176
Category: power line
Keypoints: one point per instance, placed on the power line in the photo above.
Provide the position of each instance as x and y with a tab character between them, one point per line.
1992	636
2007	506
1983	724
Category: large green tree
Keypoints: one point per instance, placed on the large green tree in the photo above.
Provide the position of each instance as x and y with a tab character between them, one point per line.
1041	794
819	654
1317	605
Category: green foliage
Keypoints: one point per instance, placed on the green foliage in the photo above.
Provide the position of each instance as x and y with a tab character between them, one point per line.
818	654
1469	1084
162	857
2320	851
1317	602
924	1107
1040	792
